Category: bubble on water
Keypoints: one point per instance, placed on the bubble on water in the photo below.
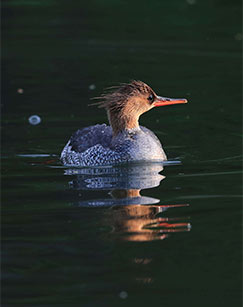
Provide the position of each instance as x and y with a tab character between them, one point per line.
92	87
123	294
191	2
20	91
34	120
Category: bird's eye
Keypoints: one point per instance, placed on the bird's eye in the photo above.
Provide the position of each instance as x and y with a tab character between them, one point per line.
151	98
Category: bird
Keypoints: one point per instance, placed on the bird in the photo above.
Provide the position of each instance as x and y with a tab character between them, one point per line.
124	140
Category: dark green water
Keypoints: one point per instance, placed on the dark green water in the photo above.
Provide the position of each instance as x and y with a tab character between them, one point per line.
65	240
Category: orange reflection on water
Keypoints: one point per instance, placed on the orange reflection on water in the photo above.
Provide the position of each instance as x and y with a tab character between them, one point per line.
142	260
141	222
144	280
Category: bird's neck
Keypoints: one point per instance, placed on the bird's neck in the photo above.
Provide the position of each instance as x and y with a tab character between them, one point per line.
120	121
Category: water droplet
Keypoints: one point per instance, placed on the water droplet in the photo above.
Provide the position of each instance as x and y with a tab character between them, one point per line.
92	87
34	120
123	294
20	91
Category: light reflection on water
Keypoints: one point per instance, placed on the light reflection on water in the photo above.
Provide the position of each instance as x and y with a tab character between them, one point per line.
132	217
57	253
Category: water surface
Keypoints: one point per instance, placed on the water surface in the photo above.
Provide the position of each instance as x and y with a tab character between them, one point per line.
132	235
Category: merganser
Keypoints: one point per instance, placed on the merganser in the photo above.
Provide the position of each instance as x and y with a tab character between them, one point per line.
124	140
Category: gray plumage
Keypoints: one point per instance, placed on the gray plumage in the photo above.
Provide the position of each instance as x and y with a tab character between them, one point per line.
94	145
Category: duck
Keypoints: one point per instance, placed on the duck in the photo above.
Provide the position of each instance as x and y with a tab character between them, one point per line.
123	140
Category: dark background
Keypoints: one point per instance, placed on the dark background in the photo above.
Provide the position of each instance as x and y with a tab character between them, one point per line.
57	55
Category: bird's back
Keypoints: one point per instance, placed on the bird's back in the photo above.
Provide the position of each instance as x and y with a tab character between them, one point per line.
88	137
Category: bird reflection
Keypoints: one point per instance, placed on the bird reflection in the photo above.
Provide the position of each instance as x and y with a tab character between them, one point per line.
143	222
130	215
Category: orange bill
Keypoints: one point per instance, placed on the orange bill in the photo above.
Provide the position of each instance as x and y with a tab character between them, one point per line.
165	101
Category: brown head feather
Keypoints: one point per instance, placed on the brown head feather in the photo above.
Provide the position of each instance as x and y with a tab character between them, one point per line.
115	97
122	105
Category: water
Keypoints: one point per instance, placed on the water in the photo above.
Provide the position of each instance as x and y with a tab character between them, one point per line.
171	234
